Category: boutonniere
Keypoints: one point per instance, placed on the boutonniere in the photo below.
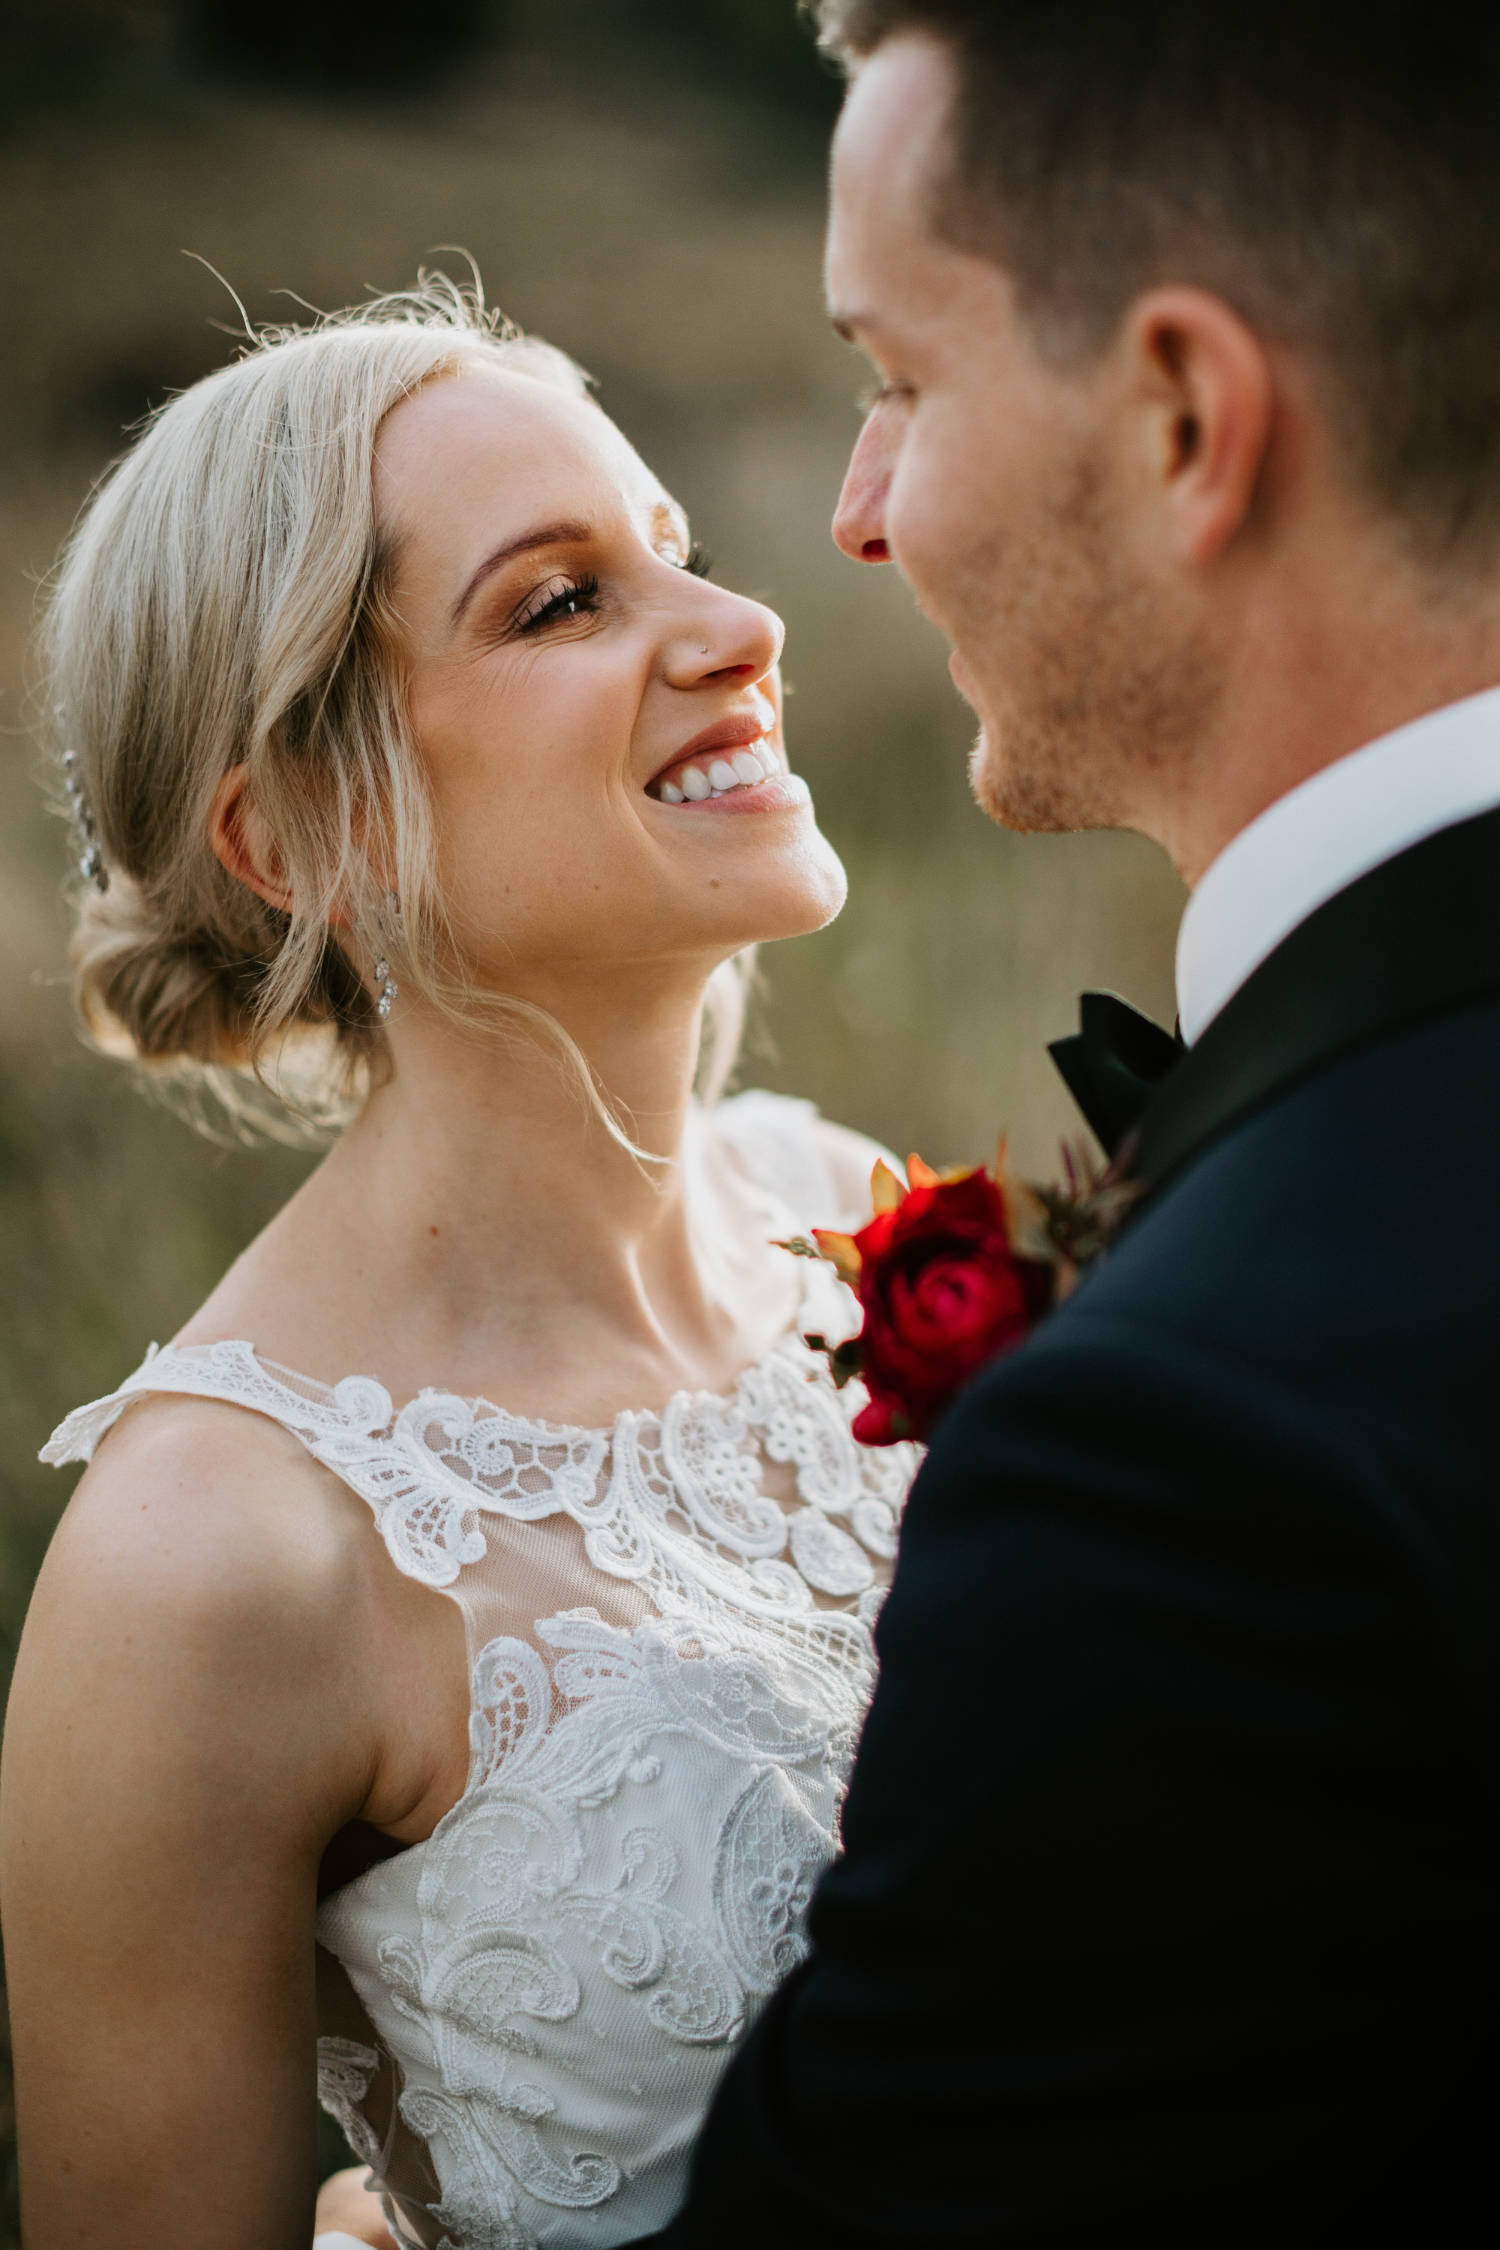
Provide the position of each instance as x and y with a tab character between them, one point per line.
952	1269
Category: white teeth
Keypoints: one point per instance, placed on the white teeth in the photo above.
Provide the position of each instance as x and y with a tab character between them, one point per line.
737	769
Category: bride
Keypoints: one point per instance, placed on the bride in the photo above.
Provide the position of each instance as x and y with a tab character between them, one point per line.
449	1666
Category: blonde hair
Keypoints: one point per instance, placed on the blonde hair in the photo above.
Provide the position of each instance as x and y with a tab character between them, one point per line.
224	601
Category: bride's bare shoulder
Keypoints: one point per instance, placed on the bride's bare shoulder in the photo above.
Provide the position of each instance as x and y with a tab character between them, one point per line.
194	1513
190	1721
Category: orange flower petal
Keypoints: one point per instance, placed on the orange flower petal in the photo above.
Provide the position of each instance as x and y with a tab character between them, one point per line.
842	1253
886	1190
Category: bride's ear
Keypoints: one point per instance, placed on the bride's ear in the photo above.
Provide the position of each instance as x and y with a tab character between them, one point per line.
1209	391
240	842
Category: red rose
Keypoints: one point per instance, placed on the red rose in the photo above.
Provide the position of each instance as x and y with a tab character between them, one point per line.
954	1268
943	1291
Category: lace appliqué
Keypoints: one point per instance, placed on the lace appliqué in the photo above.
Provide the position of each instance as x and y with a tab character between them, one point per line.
345	2069
646	1812
559	1972
537	1886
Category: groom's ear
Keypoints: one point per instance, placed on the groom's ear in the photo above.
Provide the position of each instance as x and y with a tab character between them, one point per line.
1206	390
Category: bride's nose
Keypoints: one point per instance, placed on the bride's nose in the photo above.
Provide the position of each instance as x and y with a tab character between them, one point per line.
733	636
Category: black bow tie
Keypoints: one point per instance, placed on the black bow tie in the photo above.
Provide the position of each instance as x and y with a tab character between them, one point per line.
1113	1064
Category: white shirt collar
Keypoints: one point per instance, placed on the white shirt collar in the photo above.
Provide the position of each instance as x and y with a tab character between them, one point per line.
1323	835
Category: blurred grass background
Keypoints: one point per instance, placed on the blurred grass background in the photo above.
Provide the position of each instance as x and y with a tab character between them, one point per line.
642	182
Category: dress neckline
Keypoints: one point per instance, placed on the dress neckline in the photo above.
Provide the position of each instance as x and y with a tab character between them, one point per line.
365	1403
360	1392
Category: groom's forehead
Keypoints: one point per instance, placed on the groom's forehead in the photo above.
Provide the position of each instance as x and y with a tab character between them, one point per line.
890	142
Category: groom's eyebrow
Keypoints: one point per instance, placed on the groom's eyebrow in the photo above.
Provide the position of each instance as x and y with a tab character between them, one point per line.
569	534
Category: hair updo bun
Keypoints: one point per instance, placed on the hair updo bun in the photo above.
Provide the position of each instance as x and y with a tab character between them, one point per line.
184	997
164	997
222	603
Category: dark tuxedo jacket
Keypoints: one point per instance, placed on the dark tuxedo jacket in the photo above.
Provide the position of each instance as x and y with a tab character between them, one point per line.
1168	1911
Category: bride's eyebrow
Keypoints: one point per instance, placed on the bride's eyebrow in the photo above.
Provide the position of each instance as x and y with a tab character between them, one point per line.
570	534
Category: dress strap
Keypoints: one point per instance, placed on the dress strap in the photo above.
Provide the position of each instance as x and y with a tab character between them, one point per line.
77	1436
428	1521
233	1372
427	1472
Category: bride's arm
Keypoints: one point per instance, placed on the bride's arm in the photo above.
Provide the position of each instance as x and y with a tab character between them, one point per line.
185	1735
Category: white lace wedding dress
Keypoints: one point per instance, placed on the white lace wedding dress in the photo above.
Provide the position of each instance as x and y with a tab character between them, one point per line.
668	1625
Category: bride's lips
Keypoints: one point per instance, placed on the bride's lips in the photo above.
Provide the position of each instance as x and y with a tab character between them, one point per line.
736	765
779	792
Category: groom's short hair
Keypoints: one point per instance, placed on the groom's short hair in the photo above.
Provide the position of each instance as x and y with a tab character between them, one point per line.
1332	170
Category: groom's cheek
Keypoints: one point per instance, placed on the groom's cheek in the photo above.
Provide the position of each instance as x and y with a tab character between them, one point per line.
929	533
914	505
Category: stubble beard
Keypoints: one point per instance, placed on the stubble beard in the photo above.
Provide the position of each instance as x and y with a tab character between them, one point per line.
1098	691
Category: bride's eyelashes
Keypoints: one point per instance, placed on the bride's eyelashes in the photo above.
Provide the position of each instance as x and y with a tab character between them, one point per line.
561	600
557	602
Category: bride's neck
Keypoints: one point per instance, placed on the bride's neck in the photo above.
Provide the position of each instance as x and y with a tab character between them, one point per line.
478	1230
481	1158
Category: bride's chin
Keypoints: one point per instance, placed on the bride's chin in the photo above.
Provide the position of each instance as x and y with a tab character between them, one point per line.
810	894
830	902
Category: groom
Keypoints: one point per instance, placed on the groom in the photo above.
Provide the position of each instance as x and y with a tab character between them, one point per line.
1170	1903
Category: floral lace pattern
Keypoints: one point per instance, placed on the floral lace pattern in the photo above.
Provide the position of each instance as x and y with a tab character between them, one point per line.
658	1749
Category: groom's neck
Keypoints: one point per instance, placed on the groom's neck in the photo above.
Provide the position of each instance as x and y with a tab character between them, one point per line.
1329	653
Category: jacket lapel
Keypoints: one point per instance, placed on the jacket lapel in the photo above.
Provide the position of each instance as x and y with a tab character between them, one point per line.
1417	937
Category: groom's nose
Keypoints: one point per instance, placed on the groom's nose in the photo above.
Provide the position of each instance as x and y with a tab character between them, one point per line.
859	519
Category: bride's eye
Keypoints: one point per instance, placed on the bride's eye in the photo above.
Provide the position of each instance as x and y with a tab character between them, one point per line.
699	561
558	600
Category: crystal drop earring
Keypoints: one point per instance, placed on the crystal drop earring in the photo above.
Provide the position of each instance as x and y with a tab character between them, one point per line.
387	983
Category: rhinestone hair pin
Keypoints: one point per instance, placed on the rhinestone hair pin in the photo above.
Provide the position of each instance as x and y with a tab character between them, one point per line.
90	858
